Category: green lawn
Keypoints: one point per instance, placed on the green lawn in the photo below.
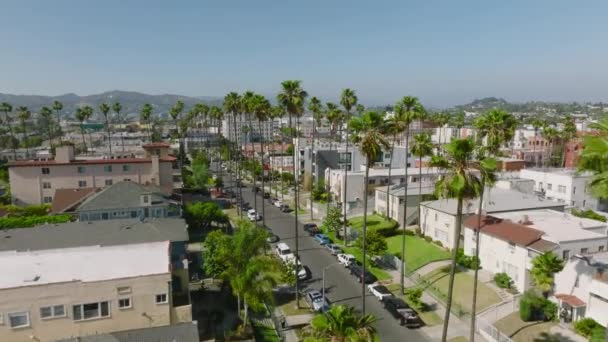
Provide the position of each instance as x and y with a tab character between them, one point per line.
264	334
418	252
290	309
520	331
458	339
463	290
373	221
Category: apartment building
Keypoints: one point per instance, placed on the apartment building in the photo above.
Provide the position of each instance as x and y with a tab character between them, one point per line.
438	218
510	240
390	199
247	132
35	181
57	293
564	186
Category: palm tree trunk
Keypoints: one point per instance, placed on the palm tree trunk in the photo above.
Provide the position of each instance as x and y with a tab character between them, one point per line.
262	162
255	194
476	272
245	309
390	171
59	135
122	134
295	179
346	186
109	136
363	244
448	304
238	166
328	180
419	189
238	305
402	280
84	142
27	149
10	129
312	169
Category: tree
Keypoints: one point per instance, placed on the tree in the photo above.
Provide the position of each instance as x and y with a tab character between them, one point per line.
348	100
550	134
46	113
204	214
6	108
334	116
288	273
544	267
375	243
422	146
497	127
594	158
261	110
233	105
104	108
81	116
333	220
58	107
175	112
368	135
536	124
292	98
117	108
215	247
316	107
441	119
197	175
145	115
342	323
24	114
566	135
460	182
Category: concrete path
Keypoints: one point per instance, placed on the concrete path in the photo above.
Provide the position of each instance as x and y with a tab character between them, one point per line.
566	335
430	267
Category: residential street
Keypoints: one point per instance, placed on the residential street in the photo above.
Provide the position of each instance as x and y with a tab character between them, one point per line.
341	287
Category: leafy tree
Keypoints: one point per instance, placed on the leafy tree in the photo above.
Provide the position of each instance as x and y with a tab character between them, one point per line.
197	175
414	296
288	273
333	220
204	214
342	323
6	108
422	146
215	247
544	267
318	191
594	158
590	214
289	149
104	108
498	127
24	114
374	241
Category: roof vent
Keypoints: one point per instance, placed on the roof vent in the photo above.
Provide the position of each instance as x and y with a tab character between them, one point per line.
36	278
525	220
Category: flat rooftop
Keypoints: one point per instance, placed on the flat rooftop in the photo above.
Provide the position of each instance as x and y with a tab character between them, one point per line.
560	171
85	264
397	172
558	226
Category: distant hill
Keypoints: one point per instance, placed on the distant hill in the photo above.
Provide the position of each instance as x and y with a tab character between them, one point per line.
533	107
131	101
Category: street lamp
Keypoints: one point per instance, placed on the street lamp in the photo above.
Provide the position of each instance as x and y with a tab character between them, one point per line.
324	269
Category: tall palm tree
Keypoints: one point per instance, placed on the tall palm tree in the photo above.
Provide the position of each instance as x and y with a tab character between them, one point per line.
233	105
461	182
497	127
550	134
104	108
276	113
368	134
348	100
342	323
261	111
422	146
175	112
88	110
81	116
216	115
146	115
567	133
24	114
46	114
58	107
117	107
6	108
406	111
316	108
334	116
536	124
292	98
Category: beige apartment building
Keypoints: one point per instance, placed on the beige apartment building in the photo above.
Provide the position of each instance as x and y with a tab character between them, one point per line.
48	295
35	181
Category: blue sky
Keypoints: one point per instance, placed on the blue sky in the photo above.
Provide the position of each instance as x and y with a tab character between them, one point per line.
446	52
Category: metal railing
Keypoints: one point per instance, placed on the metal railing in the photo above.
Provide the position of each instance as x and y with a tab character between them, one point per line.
490	332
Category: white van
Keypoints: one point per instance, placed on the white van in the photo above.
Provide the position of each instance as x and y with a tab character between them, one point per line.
284	252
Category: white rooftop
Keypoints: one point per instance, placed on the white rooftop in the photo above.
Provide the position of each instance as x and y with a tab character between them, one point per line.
560	171
86	264
558	226
396	172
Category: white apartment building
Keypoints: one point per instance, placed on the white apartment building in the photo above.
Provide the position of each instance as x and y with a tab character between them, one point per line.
247	133
395	196
581	288
47	295
438	218
564	186
510	240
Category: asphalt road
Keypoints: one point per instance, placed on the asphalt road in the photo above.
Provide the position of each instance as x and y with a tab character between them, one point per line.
340	286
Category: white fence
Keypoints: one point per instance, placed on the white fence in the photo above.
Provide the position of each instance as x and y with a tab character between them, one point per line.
489	332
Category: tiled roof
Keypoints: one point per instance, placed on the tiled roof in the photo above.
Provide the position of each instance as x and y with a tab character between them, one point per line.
571	300
65	199
505	230
542	245
156	144
87	162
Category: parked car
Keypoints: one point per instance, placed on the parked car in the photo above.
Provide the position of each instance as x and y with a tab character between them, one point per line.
284	252
312	229
273	200
267	195
322	239
379	291
278	203
285	208
253	216
272	238
401	311
255	189
333	248
346	259
357	271
316	301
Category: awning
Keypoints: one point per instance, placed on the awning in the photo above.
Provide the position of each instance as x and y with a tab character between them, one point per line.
571	300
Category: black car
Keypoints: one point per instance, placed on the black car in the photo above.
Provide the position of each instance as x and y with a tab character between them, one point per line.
312	229
285	208
401	311
267	195
357	271
255	189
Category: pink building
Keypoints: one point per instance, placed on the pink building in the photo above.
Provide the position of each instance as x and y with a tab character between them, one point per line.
35	181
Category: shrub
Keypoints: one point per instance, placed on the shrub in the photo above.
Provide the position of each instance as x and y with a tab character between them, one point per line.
418	231
598	334
470	262
428	238
549	310
525	310
533	307
31	221
585	326
438	243
503	280
409	232
414	295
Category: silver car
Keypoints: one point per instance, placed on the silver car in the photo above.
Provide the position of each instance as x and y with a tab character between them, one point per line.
316	301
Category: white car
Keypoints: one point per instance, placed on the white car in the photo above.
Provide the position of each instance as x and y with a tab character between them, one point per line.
253	216
301	272
278	203
379	291
346	259
284	252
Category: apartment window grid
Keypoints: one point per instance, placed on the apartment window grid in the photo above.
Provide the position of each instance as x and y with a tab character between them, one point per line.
47	199
162	298
107	168
19	319
124	303
55	311
46	185
45	171
126	168
88	311
82	184
108	182
561	189
566	254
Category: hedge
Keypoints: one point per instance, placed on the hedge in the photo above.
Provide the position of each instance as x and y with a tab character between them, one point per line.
586	326
533	307
31	221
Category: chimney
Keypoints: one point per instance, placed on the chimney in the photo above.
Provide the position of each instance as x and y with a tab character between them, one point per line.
525	220
64	154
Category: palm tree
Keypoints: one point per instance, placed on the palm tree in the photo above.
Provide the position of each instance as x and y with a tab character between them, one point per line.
348	100
406	111
566	135
146	115
536	123
24	114
360	109
175	112
544	267
233	105
292	98
342	323
461	182
497	127
89	113
6	108
117	107
58	107
368	134
550	134
594	158
334	116
46	113
277	112
316	107
81	116
104	108
422	146
261	110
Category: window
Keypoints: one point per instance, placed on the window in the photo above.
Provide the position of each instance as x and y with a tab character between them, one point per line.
414	179
123	290
561	189
566	255
19	319
600	248
127	179
344	158
54	311
90	311
107	168
46	170
146	199
161	298
387	156
549	186
124	303
82	184
126	168
47	199
46	185
108	182
81	169
371	182
584	250
133	214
